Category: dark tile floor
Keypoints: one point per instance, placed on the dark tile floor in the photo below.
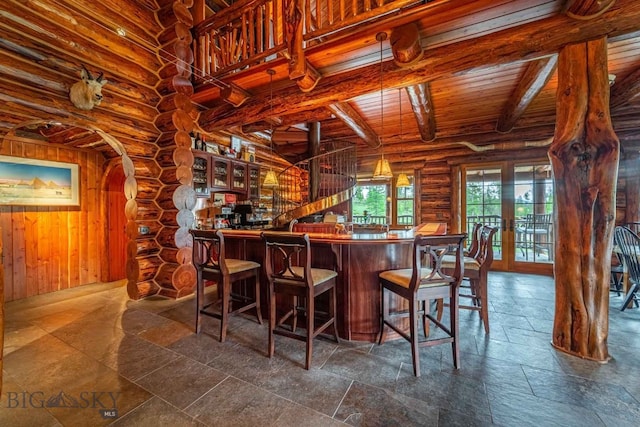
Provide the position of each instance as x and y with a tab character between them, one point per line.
72	355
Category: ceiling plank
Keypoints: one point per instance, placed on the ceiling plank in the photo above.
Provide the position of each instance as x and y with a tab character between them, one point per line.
625	90
534	79
526	42
422	106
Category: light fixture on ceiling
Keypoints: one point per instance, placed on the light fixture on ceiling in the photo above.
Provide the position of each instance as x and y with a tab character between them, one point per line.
403	179
270	180
382	170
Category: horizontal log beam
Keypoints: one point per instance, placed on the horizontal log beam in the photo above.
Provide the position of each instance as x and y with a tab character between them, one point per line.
422	106
534	79
354	121
525	42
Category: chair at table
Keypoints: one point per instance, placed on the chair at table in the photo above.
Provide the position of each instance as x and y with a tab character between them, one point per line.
628	244
535	234
288	269
476	270
425	281
211	263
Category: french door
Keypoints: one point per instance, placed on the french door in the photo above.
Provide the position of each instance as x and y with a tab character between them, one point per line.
517	198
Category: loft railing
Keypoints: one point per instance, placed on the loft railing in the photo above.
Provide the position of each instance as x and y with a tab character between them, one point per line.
315	184
250	32
240	35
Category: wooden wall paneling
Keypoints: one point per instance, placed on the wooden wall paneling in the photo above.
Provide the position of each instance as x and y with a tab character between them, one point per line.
31	250
7	260
63	248
19	252
83	225
96	219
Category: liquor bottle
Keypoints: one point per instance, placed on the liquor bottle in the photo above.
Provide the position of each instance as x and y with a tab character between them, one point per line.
193	141
198	142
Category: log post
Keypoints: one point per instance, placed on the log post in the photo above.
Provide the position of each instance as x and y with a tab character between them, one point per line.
584	157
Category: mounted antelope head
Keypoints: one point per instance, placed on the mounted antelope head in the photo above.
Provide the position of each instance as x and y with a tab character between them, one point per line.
87	93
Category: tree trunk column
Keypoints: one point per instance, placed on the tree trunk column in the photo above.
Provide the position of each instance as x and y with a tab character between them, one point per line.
584	157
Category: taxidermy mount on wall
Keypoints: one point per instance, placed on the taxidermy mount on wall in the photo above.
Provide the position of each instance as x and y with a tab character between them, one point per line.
87	93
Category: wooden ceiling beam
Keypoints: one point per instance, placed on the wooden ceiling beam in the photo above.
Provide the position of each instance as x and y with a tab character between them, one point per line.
525	42
422	106
533	80
354	121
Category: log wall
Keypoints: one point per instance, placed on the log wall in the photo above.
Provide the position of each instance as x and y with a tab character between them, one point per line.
52	248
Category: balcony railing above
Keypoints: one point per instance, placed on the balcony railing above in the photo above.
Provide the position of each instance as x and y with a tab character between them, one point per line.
251	32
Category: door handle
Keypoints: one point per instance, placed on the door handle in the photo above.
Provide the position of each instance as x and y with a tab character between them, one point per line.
504	225
510	225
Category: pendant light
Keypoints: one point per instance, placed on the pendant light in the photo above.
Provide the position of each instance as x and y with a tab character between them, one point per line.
403	179
270	180
382	170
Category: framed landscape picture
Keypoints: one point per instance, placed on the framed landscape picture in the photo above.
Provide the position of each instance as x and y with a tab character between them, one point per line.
29	182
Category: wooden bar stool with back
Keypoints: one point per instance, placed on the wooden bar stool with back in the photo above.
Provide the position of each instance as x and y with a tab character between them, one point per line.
288	269
211	263
425	281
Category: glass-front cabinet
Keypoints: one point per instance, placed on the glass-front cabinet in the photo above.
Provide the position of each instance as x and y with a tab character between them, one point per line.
213	173
239	177
220	174
201	182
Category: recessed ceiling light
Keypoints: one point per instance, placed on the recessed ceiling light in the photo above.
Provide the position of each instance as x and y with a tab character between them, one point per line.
121	31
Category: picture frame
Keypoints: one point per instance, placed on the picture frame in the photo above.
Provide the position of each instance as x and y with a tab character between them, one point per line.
213	149
31	182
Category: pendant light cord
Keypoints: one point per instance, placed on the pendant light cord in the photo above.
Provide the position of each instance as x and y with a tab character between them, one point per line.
381	38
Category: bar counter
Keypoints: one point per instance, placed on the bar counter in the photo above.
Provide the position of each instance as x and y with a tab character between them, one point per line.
358	259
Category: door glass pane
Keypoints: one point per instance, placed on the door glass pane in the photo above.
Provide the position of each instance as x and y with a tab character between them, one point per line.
533	209
484	202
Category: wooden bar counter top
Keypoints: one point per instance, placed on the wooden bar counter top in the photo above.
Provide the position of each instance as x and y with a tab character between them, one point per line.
358	259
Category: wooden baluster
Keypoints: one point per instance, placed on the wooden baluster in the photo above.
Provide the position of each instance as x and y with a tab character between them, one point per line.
252	33
308	18
245	37
330	12
260	19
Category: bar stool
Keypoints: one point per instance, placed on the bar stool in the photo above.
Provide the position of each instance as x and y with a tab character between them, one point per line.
425	281
211	263
288	269
476	271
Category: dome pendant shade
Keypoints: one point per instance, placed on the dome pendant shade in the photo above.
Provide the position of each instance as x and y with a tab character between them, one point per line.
403	180
383	170
270	180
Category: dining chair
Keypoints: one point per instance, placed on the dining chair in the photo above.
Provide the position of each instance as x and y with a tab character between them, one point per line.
426	280
535	234
288	269
476	271
628	244
211	263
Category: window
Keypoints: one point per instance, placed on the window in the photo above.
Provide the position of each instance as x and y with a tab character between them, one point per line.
369	204
372	203
404	205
